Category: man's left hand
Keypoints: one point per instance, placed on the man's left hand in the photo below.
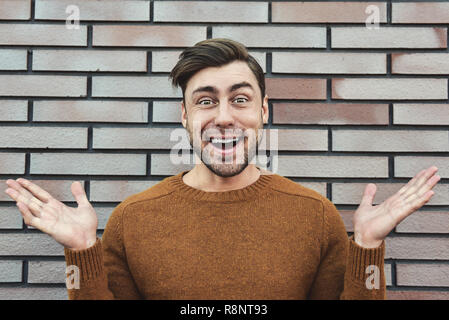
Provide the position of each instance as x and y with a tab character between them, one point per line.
373	223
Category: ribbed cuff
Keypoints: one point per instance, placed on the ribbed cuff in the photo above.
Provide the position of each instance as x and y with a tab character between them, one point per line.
360	258
89	261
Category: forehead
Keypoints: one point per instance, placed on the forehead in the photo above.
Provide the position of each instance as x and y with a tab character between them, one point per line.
222	77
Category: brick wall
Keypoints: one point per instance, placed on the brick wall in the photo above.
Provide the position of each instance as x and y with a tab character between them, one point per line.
353	105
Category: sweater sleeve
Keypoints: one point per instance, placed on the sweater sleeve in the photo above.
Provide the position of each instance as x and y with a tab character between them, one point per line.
347	271
102	269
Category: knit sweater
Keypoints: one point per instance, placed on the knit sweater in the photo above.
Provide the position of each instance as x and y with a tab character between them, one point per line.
273	239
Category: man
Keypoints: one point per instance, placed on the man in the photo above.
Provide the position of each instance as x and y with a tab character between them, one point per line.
225	229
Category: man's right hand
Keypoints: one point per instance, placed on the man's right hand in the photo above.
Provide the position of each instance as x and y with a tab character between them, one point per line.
74	228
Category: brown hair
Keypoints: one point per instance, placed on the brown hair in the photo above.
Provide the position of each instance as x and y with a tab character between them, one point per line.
213	53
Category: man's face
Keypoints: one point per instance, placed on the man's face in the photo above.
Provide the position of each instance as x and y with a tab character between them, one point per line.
223	114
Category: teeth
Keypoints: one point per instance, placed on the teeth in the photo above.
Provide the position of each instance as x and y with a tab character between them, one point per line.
218	140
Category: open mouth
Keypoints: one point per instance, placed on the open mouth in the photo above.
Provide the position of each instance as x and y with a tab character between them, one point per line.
226	145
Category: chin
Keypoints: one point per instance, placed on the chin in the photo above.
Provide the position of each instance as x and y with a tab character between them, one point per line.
227	170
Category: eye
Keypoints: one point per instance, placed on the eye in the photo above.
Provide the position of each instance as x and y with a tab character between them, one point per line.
240	100
205	102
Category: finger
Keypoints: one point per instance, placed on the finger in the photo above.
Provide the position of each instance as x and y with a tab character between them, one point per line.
428	185
411	182
418	202
22	191
28	217
34	206
418	181
411	206
368	195
79	194
422	182
37	191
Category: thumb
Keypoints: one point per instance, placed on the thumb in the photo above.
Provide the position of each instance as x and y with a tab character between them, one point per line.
79	193
368	195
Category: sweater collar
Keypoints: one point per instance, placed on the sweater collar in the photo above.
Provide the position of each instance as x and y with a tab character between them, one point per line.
251	191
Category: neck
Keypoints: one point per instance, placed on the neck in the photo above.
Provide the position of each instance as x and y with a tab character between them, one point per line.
200	177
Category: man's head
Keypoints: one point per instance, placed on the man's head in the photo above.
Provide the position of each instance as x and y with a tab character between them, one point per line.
223	100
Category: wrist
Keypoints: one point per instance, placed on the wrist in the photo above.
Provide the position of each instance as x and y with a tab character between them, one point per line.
88	243
366	243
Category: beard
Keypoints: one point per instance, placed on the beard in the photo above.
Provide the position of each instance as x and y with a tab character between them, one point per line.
232	164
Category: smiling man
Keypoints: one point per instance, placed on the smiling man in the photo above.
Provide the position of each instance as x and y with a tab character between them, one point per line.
226	229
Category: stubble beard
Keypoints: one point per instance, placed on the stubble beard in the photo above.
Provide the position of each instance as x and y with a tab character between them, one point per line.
228	167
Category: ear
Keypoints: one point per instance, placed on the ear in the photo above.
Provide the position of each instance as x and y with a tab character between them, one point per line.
265	112
183	114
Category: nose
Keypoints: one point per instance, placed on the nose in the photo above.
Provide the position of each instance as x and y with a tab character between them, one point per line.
224	116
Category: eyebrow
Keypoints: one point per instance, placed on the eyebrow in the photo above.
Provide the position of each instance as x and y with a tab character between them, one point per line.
214	90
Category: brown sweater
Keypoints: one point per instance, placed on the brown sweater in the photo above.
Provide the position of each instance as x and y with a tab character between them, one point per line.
273	239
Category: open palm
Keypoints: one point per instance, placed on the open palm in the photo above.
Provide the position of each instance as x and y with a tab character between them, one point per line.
373	223
74	228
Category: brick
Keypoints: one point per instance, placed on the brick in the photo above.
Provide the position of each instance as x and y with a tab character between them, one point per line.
351	193
29	244
88	164
416	12
388	89
103	214
117	191
329	62
89	60
321	12
15	9
388	273
164	61
167	111
12	163
388	37
347	216
422	114
294	140
147	36
274	36
33	293
12	59
43	137
109	10
10	217
431	248
201	11
47	272
11	271
417	295
410	166
139	87
161	164
59	189
425	222
140	138
332	166
420	63
330	113
295	88
390	141
13	110
42	35
90	111
41	86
